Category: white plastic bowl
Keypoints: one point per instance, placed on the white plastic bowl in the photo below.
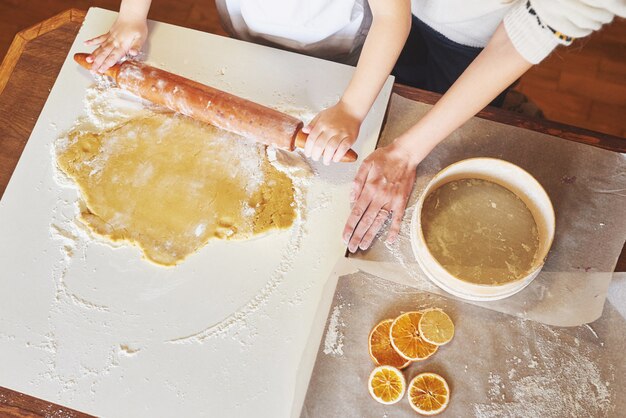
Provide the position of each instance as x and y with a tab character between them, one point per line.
517	181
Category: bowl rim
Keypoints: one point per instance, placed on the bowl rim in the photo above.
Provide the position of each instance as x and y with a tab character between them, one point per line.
416	228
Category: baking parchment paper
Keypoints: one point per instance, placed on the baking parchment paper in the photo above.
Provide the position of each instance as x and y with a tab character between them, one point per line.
587	186
497	365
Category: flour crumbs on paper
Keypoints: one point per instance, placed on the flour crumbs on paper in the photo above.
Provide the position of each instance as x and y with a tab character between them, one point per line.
551	378
333	343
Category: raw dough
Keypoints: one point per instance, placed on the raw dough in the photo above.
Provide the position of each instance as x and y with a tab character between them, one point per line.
480	231
169	184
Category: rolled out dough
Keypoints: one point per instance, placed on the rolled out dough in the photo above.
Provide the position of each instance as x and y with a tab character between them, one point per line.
170	184
480	231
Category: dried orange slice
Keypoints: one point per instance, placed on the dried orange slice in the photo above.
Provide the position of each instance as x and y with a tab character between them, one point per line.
428	393
406	339
381	350
387	384
436	327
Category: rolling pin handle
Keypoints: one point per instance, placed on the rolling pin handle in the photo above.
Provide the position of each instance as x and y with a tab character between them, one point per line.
81	58
300	141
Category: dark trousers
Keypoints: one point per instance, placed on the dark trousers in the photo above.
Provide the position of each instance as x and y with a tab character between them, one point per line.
430	61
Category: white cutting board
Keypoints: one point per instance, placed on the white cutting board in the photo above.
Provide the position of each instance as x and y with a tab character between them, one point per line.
103	330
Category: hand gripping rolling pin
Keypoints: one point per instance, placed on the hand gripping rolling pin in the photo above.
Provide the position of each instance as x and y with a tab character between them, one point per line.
207	104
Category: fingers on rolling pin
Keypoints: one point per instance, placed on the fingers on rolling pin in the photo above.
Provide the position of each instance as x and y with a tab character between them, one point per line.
81	59
300	142
207	104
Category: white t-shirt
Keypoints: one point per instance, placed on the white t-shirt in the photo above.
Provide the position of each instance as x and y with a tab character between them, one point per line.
330	29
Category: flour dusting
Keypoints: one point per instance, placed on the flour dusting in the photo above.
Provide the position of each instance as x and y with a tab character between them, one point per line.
553	378
333	342
298	232
87	335
105	108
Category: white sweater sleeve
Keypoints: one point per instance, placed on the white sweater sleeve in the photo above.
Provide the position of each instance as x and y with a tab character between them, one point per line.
536	27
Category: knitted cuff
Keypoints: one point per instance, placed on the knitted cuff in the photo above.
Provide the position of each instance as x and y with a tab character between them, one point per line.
530	37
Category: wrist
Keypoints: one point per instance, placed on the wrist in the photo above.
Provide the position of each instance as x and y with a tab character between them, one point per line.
131	19
412	148
134	11
352	108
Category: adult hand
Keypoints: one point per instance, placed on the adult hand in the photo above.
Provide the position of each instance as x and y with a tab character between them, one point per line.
381	188
126	36
331	133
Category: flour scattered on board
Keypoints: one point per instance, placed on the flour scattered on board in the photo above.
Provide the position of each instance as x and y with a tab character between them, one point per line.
238	320
333	343
106	107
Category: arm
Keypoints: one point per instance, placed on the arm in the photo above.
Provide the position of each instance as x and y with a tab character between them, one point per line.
385	180
126	36
495	68
335	129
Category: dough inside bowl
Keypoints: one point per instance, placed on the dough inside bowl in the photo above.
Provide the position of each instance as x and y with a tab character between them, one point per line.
480	231
169	184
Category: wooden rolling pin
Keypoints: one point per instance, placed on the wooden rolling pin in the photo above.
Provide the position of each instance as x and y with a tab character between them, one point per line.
207	104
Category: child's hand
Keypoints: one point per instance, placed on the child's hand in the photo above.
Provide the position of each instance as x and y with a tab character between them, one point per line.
381	190
126	36
331	133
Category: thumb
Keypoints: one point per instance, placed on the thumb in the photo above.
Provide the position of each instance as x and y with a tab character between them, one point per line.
309	127
135	47
359	181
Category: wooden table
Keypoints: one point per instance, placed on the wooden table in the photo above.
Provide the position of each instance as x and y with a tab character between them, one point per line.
27	74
